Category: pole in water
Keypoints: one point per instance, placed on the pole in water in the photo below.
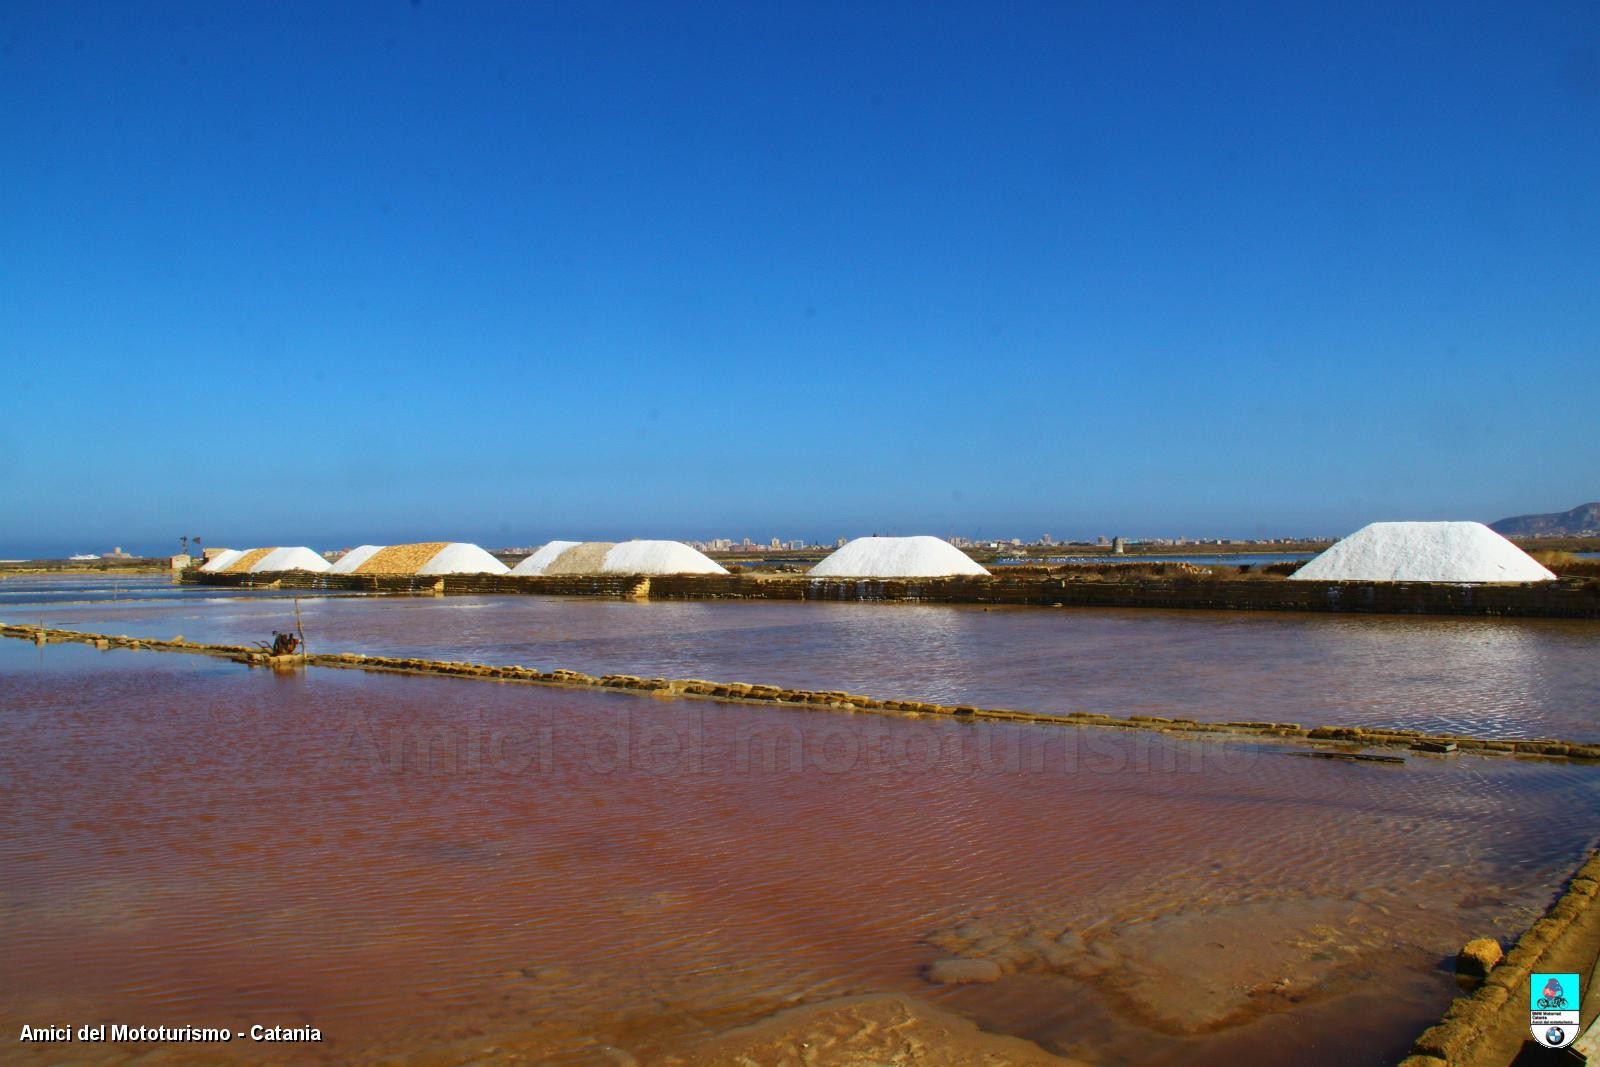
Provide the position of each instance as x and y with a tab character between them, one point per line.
299	628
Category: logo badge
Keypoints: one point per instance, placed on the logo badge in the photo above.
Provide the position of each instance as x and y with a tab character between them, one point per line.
1553	1008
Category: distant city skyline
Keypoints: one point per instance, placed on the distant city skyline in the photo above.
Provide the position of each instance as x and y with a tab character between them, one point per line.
385	272
717	544
504	538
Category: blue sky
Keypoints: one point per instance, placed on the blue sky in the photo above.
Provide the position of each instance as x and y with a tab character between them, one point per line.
285	274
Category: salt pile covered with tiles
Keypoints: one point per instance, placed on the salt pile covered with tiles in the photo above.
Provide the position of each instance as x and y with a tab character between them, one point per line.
461	558
297	558
540	561
587	557
222	560
347	563
896	557
265	560
1424	552
423	558
627	557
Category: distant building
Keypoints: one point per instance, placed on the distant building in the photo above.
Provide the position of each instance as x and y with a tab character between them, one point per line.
1118	545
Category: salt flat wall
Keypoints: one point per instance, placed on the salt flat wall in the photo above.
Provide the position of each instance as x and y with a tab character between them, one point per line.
1565	599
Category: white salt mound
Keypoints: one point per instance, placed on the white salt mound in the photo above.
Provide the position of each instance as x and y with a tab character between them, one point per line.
347	563
896	557
459	557
585	558
223	560
658	557
1424	552
540	561
629	557
297	558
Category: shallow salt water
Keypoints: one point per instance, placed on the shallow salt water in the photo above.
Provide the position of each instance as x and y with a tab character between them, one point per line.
443	869
1514	678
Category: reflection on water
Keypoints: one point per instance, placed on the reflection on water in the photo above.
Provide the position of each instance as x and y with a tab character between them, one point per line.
1486	677
63	589
435	868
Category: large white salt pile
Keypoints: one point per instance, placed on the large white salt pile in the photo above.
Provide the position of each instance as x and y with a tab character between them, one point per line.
263	560
1424	552
222	560
289	559
628	557
896	557
658	557
461	558
540	561
347	563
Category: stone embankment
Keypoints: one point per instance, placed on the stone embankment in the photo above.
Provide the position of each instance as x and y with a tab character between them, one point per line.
1337	742
1568	598
1489	1024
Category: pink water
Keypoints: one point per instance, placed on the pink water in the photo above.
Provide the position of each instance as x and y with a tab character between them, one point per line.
1485	677
444	870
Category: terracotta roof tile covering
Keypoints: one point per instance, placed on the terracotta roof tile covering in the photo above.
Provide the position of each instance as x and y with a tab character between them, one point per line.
430	558
243	564
401	559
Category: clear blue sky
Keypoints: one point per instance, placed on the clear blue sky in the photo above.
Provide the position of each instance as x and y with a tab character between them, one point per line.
324	274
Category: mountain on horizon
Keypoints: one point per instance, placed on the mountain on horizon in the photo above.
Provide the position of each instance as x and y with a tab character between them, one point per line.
1583	519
